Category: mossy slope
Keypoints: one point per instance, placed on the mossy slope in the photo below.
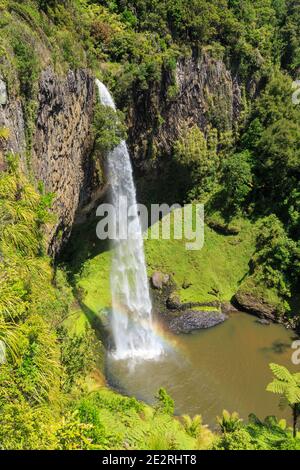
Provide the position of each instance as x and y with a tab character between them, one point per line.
215	271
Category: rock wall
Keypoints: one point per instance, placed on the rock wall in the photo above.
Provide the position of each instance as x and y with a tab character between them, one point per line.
61	146
207	93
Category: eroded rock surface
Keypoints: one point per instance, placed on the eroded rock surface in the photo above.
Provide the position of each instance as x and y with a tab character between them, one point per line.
3	93
206	92
196	320
256	305
62	145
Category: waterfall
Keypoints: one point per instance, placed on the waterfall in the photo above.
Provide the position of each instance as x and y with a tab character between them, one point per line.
132	322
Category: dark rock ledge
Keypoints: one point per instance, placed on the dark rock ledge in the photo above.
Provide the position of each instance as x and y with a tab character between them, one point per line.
185	317
196	320
250	303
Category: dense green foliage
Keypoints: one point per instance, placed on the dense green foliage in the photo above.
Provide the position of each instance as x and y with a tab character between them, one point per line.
109	128
249	176
43	361
287	385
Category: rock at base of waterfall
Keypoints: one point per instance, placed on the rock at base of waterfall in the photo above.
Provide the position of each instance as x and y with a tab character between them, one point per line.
227	308
3	93
173	302
196	320
158	280
263	321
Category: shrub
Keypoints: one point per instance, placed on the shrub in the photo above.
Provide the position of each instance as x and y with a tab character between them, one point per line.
165	402
277	257
72	434
229	422
236	440
77	356
197	156
109	128
238	179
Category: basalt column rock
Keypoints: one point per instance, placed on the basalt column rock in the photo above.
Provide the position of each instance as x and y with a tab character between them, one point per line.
207	94
62	146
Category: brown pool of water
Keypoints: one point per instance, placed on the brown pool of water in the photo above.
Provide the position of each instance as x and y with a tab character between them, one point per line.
226	367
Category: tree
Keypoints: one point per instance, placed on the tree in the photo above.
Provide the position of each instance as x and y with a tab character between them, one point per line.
238	178
196	155
287	385
45	4
109	128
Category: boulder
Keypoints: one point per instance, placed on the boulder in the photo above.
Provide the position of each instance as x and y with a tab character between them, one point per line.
193	320
249	302
173	302
159	280
227	308
263	321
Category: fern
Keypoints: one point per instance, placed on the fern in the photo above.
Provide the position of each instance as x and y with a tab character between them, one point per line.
229	422
287	385
193	426
281	372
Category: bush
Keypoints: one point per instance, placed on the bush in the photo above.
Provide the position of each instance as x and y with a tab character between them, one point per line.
229	422
237	180
72	434
77	356
109	128
197	157
89	413
277	257
236	440
165	402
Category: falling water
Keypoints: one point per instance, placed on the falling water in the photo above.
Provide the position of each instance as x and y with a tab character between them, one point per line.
132	322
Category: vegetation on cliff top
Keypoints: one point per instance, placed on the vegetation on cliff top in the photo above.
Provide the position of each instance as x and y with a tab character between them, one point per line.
251	176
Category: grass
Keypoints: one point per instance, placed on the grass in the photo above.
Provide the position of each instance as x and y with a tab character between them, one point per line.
94	280
216	271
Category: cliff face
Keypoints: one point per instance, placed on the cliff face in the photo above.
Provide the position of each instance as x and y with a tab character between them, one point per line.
62	144
205	93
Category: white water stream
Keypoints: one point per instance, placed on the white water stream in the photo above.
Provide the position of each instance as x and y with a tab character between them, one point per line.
132	322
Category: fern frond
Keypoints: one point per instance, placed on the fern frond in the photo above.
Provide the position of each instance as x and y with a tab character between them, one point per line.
281	372
277	387
293	395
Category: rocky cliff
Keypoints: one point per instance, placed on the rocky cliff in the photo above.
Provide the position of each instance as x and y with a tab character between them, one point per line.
62	143
204	92
61	149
